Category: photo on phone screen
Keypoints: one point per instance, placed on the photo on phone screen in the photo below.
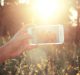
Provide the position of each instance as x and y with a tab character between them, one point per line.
46	34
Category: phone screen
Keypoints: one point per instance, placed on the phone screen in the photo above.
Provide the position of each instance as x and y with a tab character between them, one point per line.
46	34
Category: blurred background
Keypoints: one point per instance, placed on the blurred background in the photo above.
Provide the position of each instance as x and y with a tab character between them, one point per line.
50	60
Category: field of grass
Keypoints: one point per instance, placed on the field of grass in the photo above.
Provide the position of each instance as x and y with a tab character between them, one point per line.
45	60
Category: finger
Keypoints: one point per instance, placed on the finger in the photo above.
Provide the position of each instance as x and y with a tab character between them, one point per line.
21	37
21	50
17	53
29	47
24	28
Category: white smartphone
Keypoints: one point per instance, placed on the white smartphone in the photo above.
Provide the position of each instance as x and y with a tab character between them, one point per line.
46	34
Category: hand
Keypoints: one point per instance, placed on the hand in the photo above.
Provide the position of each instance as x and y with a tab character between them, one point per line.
18	44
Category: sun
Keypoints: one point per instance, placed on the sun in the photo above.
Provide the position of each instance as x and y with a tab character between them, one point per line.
46	8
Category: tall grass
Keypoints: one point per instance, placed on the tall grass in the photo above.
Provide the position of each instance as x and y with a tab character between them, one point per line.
44	60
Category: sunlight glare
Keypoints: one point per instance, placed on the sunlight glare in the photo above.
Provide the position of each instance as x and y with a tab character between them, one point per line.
2	2
24	1
45	8
74	14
